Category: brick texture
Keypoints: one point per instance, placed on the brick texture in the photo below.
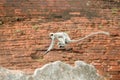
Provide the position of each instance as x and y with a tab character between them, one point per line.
27	23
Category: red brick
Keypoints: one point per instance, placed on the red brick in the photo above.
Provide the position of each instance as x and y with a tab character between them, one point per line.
113	57
96	64
113	72
115	77
113	63
20	47
17	11
2	1
114	68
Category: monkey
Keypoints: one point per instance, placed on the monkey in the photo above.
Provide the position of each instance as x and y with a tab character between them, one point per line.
63	39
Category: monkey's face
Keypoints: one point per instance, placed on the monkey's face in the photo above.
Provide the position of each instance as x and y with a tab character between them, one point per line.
52	35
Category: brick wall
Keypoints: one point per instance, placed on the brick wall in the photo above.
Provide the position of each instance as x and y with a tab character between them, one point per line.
11	9
40	7
23	40
31	7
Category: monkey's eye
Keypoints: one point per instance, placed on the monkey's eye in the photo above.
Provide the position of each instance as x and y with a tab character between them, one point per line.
51	34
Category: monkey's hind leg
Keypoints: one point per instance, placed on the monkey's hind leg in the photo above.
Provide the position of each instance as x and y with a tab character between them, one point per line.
61	45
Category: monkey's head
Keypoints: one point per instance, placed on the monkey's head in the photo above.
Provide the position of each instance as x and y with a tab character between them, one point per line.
51	35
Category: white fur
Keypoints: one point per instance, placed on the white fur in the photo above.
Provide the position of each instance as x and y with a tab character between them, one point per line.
63	39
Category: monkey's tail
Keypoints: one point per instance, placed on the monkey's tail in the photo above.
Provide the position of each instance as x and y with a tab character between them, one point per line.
92	34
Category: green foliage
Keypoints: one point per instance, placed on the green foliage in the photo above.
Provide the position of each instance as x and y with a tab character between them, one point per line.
114	10
20	32
35	27
1	22
100	26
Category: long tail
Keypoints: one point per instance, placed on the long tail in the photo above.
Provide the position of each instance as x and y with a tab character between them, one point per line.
92	34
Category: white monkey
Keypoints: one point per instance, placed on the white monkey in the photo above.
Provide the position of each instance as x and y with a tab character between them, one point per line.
63	39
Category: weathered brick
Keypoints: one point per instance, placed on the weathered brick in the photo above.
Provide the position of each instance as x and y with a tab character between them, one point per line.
114	68
113	63
113	57
115	77
16	50
17	11
96	64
